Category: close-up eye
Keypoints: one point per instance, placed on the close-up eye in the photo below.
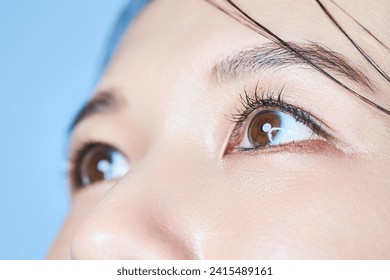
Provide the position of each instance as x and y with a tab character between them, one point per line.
272	127
98	162
267	120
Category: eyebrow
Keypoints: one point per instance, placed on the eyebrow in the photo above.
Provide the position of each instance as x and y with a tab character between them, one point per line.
273	56
103	102
251	60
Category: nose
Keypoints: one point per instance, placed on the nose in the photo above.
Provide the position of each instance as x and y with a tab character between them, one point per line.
148	214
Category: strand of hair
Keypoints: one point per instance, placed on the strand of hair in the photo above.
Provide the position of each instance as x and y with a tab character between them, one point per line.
362	26
265	32
362	52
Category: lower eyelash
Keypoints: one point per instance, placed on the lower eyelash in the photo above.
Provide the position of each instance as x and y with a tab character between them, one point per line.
272	100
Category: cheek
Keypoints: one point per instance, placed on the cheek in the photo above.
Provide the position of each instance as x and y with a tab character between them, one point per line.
272	208
336	211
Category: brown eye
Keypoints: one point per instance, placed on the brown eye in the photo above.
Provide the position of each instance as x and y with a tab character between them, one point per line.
99	162
262	128
273	127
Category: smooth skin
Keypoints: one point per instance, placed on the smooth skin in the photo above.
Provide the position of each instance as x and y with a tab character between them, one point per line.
187	195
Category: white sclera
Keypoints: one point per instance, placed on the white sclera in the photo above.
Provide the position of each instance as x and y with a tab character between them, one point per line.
114	169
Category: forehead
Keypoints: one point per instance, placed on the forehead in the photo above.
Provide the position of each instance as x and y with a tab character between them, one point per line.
178	36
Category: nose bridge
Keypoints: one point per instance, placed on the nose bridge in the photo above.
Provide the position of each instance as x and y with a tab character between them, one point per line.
151	213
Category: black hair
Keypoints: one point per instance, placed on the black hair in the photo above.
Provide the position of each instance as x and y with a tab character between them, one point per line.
241	16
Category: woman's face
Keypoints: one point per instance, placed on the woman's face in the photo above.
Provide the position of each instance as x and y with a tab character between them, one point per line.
235	149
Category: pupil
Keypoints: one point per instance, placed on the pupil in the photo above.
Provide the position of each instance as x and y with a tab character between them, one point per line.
261	125
266	127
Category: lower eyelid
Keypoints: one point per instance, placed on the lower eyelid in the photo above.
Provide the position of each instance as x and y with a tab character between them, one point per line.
323	147
99	188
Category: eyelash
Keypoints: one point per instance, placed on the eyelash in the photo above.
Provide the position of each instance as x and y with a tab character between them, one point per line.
271	99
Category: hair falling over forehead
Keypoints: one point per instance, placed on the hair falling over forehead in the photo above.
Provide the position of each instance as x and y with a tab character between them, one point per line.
231	9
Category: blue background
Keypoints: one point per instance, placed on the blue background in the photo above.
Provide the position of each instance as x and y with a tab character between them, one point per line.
50	53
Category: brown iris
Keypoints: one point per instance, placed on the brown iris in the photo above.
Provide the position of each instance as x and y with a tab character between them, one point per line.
95	163
261	125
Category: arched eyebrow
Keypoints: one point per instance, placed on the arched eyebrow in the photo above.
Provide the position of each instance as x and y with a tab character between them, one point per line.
102	103
272	56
